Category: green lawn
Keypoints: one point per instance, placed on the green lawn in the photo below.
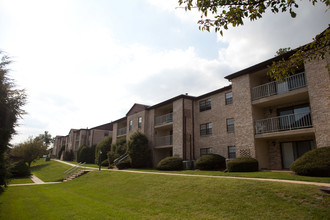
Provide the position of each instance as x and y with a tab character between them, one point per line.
49	171
118	195
87	165
20	180
260	174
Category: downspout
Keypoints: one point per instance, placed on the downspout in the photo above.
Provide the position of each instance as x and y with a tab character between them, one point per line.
183	132
193	130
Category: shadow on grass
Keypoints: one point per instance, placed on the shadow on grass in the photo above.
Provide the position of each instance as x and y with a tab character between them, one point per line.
38	167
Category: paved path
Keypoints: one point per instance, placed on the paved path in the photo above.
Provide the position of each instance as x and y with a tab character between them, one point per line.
36	180
208	176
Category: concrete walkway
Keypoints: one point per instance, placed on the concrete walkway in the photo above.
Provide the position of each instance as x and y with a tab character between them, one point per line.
36	180
208	176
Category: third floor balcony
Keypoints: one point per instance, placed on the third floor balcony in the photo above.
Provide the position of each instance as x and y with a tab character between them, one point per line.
293	82
164	119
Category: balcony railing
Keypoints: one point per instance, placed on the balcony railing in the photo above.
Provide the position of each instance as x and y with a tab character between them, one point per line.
273	88
121	131
164	119
283	123
164	140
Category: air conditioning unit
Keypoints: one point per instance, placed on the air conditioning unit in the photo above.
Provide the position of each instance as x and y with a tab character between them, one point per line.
188	164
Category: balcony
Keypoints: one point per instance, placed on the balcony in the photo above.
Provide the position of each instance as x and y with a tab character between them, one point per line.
293	82
121	131
284	123
164	140
164	119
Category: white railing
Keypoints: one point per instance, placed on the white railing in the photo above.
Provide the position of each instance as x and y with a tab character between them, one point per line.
164	119
164	140
273	88
121	131
283	123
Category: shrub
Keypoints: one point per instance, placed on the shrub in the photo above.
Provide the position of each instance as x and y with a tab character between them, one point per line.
20	169
60	152
117	149
243	164
211	162
104	147
68	155
86	154
170	163
124	164
105	163
313	163
138	151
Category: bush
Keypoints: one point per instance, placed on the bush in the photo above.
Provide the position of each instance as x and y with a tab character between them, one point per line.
170	163
104	147
68	155
105	163
117	149
243	164
124	164
86	154
138	151
211	162
20	169
313	163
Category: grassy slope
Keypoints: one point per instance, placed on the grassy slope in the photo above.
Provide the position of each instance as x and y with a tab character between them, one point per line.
20	180
109	195
261	174
49	171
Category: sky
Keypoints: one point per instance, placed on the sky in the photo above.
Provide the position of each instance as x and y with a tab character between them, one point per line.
84	63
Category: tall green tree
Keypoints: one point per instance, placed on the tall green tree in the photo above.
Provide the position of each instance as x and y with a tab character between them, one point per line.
30	150
11	102
45	138
139	151
224	13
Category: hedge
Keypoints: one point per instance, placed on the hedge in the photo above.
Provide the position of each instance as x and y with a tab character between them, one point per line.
104	147
124	164
19	169
138	151
170	163
211	162
313	163
243	164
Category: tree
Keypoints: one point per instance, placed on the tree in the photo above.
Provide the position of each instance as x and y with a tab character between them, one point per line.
138	150
282	51
104	147
45	138
30	150
233	12
11	102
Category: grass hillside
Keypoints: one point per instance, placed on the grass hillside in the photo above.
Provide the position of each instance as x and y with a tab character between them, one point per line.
118	195
49	171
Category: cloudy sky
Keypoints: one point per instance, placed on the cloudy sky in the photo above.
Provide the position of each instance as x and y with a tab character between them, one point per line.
84	63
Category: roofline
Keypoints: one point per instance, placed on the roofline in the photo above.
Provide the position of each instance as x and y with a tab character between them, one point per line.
119	119
100	126
214	92
146	106
260	66
166	102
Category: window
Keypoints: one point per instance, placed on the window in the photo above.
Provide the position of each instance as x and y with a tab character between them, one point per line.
106	134
230	124
206	129
205	105
130	125
229	98
231	152
140	122
205	151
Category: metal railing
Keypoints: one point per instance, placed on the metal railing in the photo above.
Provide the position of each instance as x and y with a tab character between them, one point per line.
273	88
121	158
283	123
164	140
73	170
122	131
164	119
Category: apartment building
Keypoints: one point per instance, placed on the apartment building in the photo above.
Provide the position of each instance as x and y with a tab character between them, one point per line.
255	116
277	122
79	137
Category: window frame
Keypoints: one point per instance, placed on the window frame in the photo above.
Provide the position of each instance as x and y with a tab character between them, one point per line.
229	100
130	125
208	150
139	122
230	122
231	154
205	105
205	129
